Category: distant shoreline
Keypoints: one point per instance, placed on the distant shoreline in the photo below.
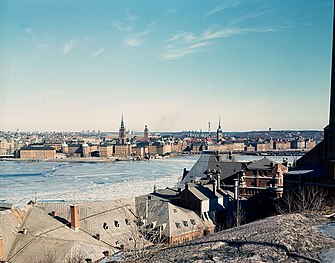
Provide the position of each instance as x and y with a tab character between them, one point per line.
70	160
79	160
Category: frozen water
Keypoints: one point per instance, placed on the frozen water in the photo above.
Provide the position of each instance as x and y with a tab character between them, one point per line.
24	181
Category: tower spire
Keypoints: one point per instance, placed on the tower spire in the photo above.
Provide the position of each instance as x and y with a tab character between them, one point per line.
122	132
219	131
122	122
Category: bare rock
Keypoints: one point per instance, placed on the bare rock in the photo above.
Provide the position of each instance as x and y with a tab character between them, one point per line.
284	238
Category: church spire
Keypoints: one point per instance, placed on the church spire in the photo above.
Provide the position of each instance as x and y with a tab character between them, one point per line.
122	132
219	131
122	123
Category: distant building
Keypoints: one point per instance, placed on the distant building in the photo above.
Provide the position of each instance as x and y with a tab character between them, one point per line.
106	150
85	150
282	145
37	151
65	148
263	147
122	150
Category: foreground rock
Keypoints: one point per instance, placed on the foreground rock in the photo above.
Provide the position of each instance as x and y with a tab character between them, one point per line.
285	238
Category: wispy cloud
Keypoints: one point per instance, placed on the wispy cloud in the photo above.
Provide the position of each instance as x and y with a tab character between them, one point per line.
139	38
121	27
215	10
172	10
68	47
97	53
130	16
30	31
134	41
173	53
186	43
250	15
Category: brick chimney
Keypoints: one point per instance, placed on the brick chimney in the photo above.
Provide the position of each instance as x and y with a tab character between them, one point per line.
331	138
74	217
1	249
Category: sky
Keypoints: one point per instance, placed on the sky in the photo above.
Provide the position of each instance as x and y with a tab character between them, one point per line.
172	65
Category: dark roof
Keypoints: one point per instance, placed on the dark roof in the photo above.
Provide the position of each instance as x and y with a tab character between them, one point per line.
212	162
264	164
37	147
73	145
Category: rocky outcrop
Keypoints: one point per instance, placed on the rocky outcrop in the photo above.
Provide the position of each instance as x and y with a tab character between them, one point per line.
284	238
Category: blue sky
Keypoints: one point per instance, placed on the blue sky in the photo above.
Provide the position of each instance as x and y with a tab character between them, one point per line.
173	65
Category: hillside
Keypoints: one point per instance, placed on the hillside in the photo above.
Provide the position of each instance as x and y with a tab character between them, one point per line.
284	238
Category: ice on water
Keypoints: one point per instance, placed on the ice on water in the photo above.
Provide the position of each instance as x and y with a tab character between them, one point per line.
21	182
24	181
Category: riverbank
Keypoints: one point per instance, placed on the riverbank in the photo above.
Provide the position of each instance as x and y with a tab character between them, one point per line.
85	159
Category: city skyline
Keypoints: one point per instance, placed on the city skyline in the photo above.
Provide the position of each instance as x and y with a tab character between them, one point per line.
77	65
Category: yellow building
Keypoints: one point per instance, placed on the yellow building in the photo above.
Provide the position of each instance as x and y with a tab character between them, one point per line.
37	152
106	150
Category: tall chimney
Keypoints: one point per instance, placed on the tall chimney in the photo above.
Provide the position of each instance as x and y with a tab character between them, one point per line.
214	186
218	181
1	249
235	189
331	139
74	217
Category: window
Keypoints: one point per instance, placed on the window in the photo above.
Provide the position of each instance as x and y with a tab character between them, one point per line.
127	221
177	225
185	223
192	221
116	223
105	226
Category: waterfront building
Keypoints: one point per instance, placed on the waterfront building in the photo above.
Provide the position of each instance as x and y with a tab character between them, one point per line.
65	148
310	144
298	143
282	145
85	150
263	147
37	151
106	150
122	150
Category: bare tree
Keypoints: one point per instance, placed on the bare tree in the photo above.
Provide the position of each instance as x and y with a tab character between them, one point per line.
309	199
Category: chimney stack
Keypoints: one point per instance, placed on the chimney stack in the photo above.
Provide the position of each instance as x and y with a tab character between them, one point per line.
331	139
74	217
214	186
235	189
